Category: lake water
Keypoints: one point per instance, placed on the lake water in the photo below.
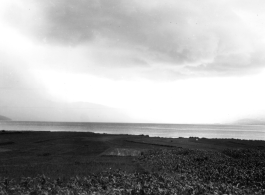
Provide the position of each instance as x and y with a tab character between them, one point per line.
254	132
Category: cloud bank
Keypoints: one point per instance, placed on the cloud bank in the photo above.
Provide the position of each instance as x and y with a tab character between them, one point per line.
169	39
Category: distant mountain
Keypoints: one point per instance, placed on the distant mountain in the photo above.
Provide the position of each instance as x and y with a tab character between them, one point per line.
68	112
251	122
3	118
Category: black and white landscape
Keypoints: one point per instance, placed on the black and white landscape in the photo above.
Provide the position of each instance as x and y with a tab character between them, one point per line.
132	97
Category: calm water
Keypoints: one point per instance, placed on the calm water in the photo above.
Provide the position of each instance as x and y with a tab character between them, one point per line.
255	132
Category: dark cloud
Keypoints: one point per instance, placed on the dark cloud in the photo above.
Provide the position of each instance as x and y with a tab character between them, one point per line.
160	32
143	34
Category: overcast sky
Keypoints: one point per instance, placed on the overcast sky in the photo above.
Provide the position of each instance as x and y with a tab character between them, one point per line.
192	61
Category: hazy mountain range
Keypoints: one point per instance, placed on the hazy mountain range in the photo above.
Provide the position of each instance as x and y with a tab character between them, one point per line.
249	121
3	118
106	113
70	112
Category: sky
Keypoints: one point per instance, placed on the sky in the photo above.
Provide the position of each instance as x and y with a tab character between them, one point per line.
140	61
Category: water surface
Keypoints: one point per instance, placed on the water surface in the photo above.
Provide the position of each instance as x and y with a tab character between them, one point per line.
254	132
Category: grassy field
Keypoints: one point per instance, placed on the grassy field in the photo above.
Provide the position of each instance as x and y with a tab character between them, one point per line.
89	163
64	154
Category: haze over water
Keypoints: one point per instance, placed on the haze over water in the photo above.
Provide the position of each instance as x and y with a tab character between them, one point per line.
249	132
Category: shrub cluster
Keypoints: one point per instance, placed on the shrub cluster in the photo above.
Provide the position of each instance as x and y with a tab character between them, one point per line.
170	171
240	171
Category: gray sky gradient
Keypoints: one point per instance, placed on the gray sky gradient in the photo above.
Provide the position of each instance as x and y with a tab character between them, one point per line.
158	41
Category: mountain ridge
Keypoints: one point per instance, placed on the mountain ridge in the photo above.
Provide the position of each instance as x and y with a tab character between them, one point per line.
4	118
249	121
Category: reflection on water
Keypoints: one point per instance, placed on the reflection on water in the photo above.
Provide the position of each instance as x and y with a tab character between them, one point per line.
255	132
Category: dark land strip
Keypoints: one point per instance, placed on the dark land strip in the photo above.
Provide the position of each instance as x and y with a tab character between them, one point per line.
204	164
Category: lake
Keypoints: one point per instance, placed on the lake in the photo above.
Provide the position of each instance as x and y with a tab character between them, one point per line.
253	132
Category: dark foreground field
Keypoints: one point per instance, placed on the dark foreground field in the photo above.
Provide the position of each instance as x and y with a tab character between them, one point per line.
88	163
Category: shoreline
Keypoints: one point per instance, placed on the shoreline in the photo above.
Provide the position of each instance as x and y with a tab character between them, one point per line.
3	131
223	131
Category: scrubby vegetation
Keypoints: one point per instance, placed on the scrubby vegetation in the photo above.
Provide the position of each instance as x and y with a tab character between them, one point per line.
232	171
165	171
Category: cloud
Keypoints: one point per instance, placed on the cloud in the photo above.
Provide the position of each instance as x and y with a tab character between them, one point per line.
137	42
191	38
